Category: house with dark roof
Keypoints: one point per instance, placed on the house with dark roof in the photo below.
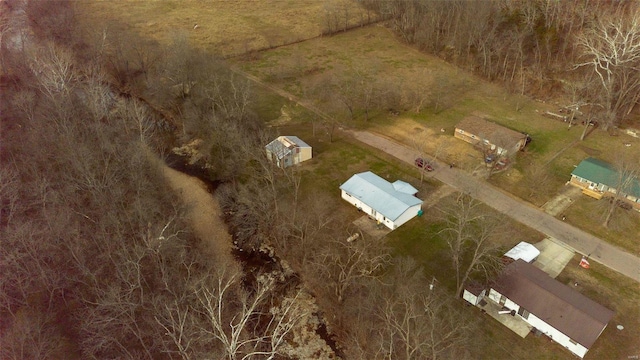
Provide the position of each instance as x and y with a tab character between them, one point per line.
391	204
288	150
598	178
550	307
495	138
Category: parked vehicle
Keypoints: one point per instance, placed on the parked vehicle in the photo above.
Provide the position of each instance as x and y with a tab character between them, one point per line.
422	163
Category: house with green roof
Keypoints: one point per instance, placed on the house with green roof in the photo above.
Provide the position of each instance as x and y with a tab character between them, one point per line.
598	178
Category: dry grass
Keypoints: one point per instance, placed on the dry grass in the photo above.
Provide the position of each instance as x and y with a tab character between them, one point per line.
225	28
228	28
617	293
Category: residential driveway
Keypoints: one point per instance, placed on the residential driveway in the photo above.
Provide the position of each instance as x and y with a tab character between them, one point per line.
519	210
562	201
554	256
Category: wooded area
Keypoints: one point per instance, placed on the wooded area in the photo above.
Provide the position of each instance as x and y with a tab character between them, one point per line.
97	256
539	47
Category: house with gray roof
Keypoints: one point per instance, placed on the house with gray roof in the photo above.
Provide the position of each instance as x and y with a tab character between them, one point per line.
288	150
391	204
550	307
598	178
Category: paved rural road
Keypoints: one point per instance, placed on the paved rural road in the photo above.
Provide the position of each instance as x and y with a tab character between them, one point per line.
582	242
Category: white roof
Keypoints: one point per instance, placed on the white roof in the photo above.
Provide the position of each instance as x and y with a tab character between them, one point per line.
390	200
404	187
524	251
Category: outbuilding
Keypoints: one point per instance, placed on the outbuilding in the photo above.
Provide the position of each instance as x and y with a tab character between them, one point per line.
391	204
524	251
288	150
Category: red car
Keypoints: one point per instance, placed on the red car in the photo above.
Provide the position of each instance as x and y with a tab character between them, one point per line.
422	163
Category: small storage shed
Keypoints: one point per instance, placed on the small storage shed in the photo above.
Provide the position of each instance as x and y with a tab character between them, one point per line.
288	150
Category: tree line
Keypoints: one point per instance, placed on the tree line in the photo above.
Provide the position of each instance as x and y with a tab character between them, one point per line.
588	49
98	257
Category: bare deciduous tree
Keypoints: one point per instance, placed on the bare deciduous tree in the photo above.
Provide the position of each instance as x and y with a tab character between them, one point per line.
345	263
470	233
611	49
627	175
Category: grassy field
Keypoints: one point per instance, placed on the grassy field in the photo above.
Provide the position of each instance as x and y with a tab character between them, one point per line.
225	28
539	172
231	27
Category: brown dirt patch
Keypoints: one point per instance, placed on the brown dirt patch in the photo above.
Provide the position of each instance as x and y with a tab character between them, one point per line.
203	212
432	142
589	151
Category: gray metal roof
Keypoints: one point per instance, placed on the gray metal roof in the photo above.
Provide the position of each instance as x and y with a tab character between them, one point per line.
381	195
297	141
278	149
557	304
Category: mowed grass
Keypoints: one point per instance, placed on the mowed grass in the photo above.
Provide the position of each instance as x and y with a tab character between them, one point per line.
623	230
225	28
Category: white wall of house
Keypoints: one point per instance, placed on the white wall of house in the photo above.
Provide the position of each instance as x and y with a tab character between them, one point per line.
503	300
409	214
556	335
474	300
371	212
539	324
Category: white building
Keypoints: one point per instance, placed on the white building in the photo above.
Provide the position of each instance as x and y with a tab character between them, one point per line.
558	311
288	150
391	204
524	251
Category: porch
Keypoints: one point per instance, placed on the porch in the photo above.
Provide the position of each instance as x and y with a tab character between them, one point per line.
513	322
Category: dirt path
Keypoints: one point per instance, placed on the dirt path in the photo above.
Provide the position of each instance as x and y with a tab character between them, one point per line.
203	212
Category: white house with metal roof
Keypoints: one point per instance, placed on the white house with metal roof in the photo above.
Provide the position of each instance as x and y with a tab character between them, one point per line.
288	150
391	204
